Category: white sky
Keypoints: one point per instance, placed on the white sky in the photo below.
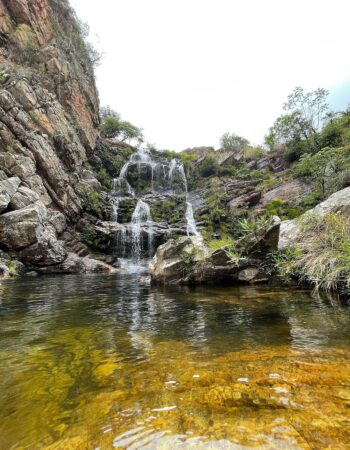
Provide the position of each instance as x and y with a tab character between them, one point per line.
187	71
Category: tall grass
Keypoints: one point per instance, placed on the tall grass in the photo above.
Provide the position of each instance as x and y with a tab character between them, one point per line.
322	255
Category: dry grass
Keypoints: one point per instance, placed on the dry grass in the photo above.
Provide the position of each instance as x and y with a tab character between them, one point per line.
324	257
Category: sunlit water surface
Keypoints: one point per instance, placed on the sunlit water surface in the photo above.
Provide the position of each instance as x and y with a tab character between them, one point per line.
103	362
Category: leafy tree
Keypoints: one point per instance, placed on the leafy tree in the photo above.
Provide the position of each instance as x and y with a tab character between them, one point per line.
231	141
322	168
113	127
298	127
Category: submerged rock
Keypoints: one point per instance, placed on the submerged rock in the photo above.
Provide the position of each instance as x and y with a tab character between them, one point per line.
75	264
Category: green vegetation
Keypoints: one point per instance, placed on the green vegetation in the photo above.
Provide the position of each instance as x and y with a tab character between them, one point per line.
112	158
104	178
231	141
216	244
172	210
97	241
92	200
322	256
281	209
113	127
328	170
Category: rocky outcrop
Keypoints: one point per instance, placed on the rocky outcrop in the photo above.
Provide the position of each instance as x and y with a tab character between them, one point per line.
292	192
339	202
187	261
49	124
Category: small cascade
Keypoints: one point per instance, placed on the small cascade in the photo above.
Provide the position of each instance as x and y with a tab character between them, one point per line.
121	187
177	168
191	223
115	209
141	221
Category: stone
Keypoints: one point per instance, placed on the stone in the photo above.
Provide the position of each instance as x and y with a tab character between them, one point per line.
23	197
8	188
169	263
46	251
187	261
75	264
11	268
252	275
245	201
18	229
289	232
267	242
19	165
58	220
292	193
339	202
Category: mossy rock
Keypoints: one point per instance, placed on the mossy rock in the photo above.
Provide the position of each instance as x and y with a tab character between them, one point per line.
97	240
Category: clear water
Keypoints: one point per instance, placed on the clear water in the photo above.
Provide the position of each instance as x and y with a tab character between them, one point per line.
106	362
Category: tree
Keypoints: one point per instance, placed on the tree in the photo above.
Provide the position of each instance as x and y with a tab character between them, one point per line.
231	141
322	168
298	128
310	106
113	127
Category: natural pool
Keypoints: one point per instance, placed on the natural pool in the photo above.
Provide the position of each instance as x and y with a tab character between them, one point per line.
101	362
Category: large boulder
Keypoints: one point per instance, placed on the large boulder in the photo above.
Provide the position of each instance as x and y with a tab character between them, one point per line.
174	259
290	229
187	261
29	232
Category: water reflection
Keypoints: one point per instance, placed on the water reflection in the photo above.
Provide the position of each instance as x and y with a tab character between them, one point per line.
84	359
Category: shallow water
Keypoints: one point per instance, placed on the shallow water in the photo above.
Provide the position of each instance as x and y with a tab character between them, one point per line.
91	362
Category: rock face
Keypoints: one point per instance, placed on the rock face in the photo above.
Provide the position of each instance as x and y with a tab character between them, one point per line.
49	122
290	229
292	192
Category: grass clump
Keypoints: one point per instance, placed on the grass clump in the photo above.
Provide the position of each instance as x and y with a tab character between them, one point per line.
325	245
322	256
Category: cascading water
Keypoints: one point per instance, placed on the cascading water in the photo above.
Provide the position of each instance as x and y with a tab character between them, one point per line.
176	166
136	238
191	223
141	222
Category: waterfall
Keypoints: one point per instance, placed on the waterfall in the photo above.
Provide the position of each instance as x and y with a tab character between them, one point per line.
191	223
141	221
137	238
177	167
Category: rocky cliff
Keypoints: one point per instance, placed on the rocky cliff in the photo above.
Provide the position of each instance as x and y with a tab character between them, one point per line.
49	121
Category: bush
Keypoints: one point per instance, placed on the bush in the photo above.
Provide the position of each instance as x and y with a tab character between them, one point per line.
254	153
104	178
208	167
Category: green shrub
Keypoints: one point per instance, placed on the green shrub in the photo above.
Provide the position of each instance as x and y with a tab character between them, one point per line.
104	178
251	153
208	167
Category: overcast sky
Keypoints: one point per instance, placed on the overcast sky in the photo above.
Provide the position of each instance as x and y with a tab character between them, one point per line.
187	71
